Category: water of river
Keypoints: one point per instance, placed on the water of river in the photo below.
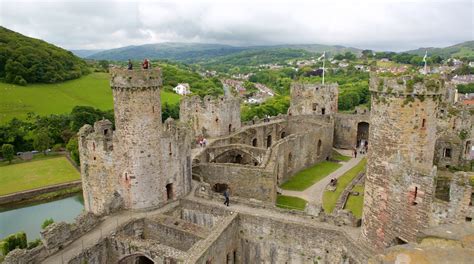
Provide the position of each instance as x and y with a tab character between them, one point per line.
29	218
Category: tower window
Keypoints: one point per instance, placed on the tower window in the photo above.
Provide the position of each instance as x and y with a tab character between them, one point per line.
106	131
93	146
423	123
315	106
153	109
169	191
447	153
414	196
323	111
169	147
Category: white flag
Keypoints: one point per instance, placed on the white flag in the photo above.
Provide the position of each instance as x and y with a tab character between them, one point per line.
322	56
426	55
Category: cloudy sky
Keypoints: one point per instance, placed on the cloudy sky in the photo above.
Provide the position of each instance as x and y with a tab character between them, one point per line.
377	24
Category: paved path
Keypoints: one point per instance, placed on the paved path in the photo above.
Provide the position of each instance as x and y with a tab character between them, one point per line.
315	192
105	228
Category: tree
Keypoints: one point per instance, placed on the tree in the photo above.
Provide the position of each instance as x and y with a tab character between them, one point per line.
41	140
8	152
73	148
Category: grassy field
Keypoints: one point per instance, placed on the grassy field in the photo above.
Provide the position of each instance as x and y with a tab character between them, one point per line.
35	174
330	198
91	90
290	202
310	176
356	203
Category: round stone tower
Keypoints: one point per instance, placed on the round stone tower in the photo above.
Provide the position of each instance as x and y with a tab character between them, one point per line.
399	186
137	145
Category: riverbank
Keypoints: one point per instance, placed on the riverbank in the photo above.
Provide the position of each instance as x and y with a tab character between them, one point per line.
40	195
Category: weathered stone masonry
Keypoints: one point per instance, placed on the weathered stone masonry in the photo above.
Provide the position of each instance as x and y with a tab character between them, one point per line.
141	164
400	174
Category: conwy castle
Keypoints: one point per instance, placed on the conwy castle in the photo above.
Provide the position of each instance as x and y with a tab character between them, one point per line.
152	196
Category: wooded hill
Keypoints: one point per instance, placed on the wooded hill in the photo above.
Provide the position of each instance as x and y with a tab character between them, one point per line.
27	60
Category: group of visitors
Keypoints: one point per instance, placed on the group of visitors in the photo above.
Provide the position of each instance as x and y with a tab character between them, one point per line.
146	64
266	118
363	148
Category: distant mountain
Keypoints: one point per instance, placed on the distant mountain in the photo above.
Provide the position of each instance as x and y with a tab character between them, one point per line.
28	60
184	52
465	49
194	52
320	48
85	53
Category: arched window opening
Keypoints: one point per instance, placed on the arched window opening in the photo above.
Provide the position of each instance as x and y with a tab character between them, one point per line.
254	142
269	141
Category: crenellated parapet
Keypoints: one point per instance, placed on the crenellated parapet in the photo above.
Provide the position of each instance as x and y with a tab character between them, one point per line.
139	79
407	85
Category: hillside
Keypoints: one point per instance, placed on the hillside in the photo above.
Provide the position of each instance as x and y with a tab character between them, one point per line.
254	57
198	52
91	90
83	53
27	60
465	49
319	48
184	52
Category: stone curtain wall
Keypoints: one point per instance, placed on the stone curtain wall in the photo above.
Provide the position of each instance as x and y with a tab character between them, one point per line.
399	186
345	129
211	117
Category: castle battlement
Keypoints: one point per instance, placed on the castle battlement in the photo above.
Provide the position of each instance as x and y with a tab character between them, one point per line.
407	85
122	78
330	87
209	102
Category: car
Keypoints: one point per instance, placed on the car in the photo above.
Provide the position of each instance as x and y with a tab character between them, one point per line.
34	151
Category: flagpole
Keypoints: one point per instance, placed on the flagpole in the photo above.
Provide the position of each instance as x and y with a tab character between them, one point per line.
324	59
424	59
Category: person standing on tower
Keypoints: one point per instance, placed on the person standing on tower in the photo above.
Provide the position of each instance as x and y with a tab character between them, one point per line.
145	64
130	65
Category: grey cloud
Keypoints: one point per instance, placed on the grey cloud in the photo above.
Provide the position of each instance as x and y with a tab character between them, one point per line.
382	25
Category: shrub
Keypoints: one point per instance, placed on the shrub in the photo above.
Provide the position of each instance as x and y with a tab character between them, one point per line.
12	242
46	223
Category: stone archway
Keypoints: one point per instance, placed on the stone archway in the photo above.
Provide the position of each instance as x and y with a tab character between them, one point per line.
362	133
136	259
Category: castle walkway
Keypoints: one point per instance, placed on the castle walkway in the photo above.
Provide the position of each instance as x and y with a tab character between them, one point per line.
314	193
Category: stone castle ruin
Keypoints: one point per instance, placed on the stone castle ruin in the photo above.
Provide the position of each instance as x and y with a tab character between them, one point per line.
143	163
211	117
159	196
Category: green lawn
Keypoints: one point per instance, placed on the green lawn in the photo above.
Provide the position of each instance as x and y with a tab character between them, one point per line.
356	203
290	202
310	176
339	157
330	198
35	174
43	99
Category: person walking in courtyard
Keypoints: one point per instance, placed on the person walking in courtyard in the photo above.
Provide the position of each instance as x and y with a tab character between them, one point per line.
355	153
226	196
